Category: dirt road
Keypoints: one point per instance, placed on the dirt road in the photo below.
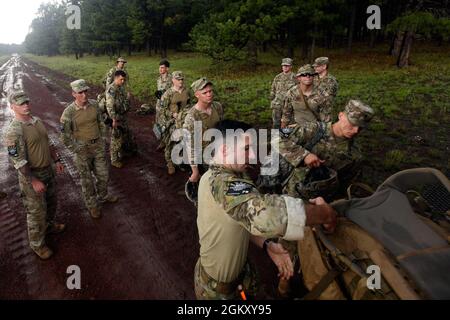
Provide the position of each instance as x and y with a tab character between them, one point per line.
144	247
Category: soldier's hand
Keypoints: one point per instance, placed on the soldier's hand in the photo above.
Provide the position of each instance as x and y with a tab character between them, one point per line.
282	260
38	186
174	115
115	123
321	213
311	160
59	168
195	176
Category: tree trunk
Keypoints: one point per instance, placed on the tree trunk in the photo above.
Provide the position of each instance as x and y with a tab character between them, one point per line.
351	27
397	43
313	43
403	58
148	48
252	51
373	36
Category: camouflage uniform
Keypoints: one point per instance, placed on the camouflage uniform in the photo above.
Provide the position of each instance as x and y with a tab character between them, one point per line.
109	78
85	137
163	83
230	209
207	121
339	153
117	106
173	102
280	86
327	87
28	144
298	108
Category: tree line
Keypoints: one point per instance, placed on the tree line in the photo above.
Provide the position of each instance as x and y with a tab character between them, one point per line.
230	30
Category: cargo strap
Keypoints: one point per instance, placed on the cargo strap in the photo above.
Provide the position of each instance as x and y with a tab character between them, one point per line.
322	285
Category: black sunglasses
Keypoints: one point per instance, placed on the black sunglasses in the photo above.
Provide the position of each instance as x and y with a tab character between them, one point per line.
306	75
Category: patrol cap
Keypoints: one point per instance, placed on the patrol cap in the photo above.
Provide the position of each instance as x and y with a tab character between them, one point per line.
321	61
120	59
306	69
200	84
178	75
358	113
164	62
287	62
18	98
79	86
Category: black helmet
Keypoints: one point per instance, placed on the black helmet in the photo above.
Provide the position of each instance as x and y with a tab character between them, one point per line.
191	191
319	182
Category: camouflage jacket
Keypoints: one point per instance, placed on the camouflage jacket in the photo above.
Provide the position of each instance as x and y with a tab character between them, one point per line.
281	84
117	103
175	102
311	137
68	126
295	110
260	214
164	84
327	88
109	78
328	85
207	122
15	142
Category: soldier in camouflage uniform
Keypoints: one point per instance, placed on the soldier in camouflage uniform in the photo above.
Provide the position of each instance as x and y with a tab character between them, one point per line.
326	84
163	83
32	155
117	106
109	78
317	143
280	86
206	113
312	145
175	103
83	132
303	103
231	212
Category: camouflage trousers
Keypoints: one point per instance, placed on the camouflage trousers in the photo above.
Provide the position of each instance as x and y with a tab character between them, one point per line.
122	141
206	289
168	142
158	114
41	208
90	161
276	113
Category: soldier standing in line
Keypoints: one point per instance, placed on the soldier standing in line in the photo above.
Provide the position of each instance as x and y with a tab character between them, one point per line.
174	103
303	103
280	86
117	106
231	212
120	65
326	84
207	113
33	156
83	132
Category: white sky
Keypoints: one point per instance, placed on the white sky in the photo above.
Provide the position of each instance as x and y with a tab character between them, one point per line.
15	19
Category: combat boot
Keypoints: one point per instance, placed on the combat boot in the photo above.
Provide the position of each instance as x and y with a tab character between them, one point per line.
117	164
43	252
109	198
95	213
56	228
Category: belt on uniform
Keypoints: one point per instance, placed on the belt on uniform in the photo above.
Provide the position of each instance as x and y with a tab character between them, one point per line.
225	288
89	141
41	169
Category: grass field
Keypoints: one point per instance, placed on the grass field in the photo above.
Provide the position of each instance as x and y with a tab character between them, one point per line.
411	127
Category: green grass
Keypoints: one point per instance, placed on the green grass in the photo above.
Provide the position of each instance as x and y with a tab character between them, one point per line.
3	59
413	101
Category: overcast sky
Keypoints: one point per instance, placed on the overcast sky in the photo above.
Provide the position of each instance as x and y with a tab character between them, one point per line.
15	19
